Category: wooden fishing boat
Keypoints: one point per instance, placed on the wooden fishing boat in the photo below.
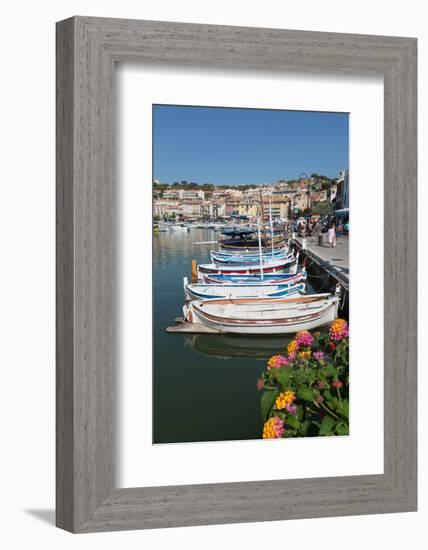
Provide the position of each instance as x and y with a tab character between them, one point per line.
263	315
249	252
250	243
267	279
249	260
242	238
201	291
275	266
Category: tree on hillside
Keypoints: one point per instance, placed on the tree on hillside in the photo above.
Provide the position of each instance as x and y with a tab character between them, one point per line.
326	185
322	208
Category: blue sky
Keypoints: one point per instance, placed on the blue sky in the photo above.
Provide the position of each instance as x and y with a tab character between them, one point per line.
238	146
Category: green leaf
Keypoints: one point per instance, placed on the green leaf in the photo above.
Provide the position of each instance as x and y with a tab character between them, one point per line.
266	403
333	403
299	376
284	376
327	394
292	421
304	427
330	370
305	393
342	429
345	408
328	425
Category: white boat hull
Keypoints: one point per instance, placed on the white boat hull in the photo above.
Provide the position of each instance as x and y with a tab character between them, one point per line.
251	252
277	266
251	260
264	316
212	291
268	279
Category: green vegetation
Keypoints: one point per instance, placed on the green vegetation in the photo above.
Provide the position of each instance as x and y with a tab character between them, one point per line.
326	183
306	392
322	208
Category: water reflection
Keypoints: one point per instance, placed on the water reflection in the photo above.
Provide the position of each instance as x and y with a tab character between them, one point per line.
227	346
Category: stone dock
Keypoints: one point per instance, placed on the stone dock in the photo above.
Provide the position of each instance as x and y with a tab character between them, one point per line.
333	262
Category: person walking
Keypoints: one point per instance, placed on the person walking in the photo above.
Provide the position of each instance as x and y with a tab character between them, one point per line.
332	235
340	232
316	230
347	228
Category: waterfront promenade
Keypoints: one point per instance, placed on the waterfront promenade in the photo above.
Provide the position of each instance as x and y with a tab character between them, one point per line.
334	261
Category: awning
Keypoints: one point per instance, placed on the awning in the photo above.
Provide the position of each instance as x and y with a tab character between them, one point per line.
342	212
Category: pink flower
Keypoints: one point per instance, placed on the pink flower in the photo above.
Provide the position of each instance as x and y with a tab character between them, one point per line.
337	384
278	427
260	384
273	428
292	409
277	361
319	356
304	338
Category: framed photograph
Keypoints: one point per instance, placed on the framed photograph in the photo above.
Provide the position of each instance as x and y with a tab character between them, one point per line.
236	274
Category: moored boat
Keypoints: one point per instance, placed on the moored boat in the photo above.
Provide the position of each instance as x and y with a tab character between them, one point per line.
242	239
263	315
235	259
252	244
256	278
247	252
275	266
201	291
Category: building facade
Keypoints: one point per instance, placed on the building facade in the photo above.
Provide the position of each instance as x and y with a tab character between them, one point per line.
342	193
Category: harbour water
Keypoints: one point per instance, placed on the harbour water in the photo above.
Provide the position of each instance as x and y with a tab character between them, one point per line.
204	385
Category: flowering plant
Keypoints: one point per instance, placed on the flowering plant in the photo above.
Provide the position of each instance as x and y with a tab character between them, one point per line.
306	390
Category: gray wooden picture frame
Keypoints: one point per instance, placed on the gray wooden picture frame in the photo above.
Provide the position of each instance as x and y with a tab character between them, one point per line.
87	51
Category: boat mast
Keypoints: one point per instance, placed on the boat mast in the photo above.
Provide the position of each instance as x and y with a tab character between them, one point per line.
271	224
260	249
262	208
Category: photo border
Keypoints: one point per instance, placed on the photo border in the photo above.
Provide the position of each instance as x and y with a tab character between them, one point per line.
87	50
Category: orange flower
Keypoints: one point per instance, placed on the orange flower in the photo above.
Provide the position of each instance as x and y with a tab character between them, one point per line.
273	428
284	399
292	348
338	330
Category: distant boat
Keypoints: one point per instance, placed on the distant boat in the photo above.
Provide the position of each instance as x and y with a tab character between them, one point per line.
201	291
242	243
237	231
263	315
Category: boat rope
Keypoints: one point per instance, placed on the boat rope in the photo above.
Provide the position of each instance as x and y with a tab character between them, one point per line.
343	299
310	264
